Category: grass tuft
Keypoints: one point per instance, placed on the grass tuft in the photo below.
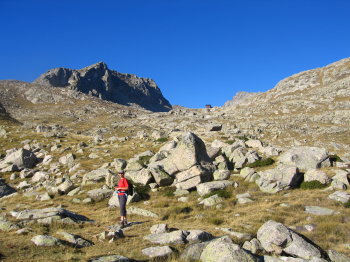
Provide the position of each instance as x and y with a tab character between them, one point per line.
162	140
221	193
262	162
312	185
215	221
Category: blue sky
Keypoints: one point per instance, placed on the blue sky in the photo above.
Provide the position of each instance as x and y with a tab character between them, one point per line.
198	51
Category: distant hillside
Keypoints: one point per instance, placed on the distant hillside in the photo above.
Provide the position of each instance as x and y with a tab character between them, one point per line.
240	98
97	80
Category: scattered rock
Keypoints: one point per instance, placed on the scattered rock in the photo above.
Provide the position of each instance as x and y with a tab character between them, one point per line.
175	237
340	196
110	258
157	251
75	240
159	228
46	241
141	212
208	187
319	211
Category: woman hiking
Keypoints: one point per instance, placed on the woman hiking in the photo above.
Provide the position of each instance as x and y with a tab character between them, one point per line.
122	190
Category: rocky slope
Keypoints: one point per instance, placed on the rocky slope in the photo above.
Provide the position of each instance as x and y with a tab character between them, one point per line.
311	106
240	98
98	80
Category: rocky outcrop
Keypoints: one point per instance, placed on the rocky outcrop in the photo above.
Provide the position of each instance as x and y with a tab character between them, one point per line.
240	98
98	80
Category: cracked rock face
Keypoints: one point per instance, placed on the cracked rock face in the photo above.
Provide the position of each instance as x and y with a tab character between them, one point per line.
98	80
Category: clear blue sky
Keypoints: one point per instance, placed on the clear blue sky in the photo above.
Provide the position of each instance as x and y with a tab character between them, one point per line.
198	51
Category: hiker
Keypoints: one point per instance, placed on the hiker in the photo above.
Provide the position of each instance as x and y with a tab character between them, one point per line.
122	190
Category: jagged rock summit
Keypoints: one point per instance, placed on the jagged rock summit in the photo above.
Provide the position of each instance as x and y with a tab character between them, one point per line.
98	80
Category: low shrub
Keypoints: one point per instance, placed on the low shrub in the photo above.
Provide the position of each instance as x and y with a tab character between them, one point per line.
347	204
168	191
312	185
335	158
215	221
261	162
142	190
162	140
182	210
144	160
221	193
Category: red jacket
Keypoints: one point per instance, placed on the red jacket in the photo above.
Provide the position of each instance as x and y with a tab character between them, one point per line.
123	182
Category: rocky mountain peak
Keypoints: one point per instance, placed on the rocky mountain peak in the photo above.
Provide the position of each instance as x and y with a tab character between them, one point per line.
98	80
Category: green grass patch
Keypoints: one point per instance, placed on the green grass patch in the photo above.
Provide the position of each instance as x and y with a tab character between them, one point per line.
162	140
168	191
347	204
144	160
312	185
244	138
262	162
142	190
221	193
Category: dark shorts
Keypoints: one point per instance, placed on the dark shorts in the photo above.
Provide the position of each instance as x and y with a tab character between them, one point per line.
122	204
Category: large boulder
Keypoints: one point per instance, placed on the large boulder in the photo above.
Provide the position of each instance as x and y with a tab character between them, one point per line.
192	177
208	187
100	194
305	157
95	176
280	178
143	176
160	176
190	150
223	250
19	158
277	238
316	175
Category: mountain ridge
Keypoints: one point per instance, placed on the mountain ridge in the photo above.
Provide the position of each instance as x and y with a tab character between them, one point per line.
98	80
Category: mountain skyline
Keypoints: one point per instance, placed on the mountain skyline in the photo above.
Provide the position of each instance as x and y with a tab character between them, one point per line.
198	52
